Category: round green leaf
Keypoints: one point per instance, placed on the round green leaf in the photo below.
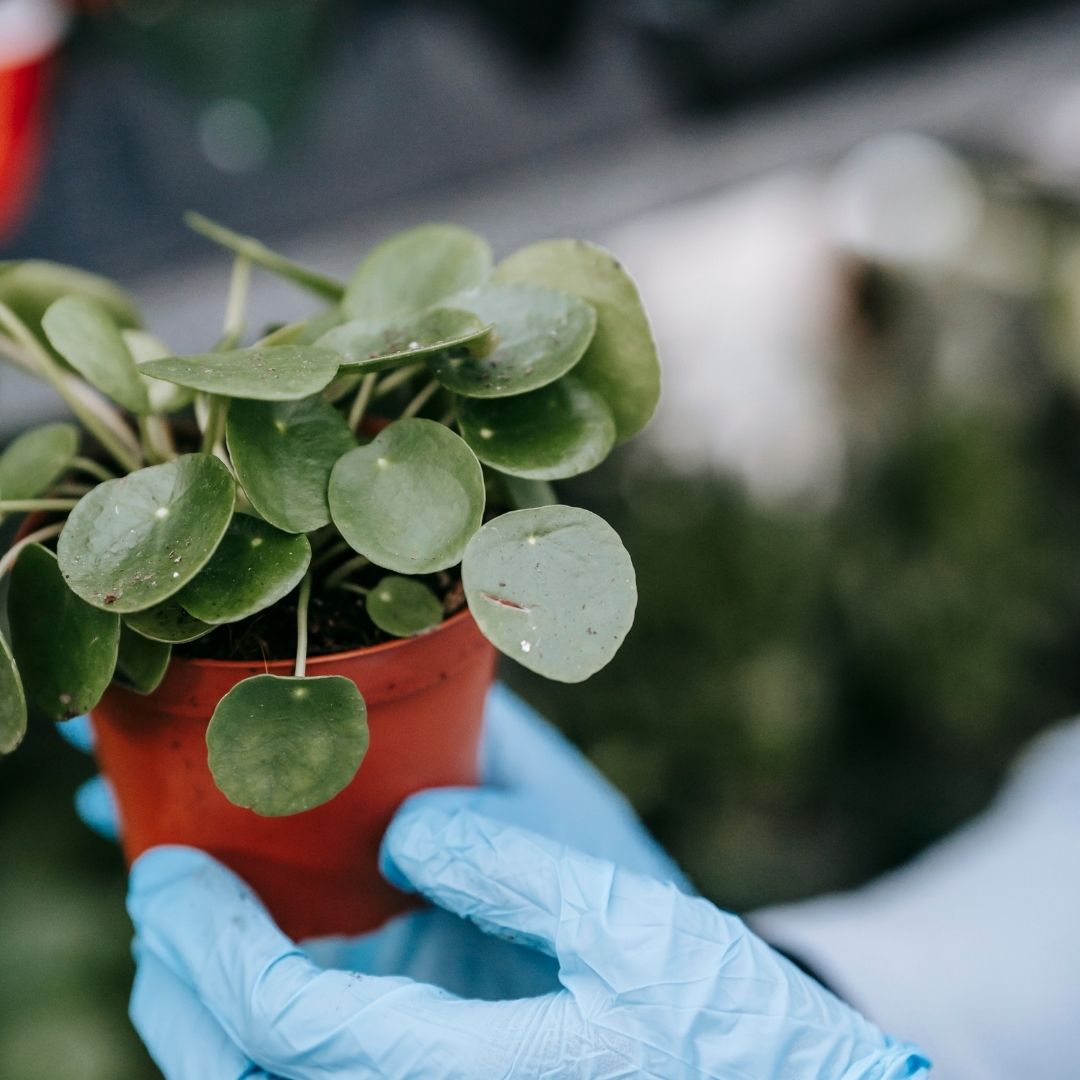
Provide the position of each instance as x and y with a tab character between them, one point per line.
136	541
262	373
66	650
36	460
415	269
279	745
254	566
411	499
621	362
167	622
12	701
540	335
30	287
403	606
283	453
365	345
142	663
164	397
553	588
558	431
84	333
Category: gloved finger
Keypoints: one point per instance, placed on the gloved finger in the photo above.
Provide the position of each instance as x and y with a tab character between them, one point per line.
512	882
95	803
79	732
286	1014
569	798
180	1034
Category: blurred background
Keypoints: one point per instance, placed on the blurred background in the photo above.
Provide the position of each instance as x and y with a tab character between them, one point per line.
856	518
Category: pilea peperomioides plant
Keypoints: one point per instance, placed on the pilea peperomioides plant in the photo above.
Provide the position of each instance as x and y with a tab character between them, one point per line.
409	427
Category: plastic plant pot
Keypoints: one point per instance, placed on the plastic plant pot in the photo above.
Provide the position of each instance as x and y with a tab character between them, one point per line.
316	871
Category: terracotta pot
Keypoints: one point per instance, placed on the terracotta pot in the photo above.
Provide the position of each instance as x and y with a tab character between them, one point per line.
316	871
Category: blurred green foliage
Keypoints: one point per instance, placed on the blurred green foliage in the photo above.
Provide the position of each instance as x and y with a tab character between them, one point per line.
808	698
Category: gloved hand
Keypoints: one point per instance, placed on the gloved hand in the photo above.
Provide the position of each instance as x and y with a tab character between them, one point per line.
555	791
654	982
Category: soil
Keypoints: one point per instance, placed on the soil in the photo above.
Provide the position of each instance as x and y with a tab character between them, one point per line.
337	622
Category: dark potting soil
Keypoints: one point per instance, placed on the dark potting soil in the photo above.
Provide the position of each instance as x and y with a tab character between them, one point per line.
337	622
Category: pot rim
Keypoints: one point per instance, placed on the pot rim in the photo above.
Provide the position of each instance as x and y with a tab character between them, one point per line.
325	658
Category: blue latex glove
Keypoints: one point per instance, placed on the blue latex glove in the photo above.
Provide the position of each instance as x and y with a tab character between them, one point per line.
654	982
555	790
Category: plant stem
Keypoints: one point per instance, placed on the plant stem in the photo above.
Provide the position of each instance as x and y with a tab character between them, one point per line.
61	490
92	468
357	562
214	431
157	440
18	357
232	329
262	256
332	552
100	419
361	401
283	335
421	399
396	379
341	387
30	506
12	554
348	586
302	626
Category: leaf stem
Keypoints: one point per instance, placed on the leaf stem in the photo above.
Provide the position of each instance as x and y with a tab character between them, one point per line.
12	554
262	256
361	401
62	490
421	399
92	468
357	562
30	506
302	605
332	552
348	586
284	334
397	378
157	439
18	357
100	419
341	387
232	329
216	412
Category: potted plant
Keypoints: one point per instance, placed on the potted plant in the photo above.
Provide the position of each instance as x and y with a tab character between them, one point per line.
267	556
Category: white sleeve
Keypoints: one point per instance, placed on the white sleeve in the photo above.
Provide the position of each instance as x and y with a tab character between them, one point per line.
972	951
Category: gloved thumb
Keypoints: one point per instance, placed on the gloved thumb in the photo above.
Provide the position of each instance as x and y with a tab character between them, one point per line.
465	851
501	877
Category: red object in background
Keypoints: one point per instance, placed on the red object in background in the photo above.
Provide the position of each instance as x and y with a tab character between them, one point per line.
22	136
317	872
30	31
